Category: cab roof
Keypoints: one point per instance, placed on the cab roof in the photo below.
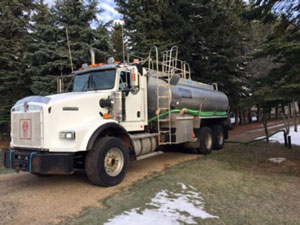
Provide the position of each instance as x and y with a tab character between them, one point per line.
95	68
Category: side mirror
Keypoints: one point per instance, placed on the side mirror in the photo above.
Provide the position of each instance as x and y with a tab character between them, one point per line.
134	77
134	81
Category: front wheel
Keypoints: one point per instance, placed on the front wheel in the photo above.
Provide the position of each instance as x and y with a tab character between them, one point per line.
106	164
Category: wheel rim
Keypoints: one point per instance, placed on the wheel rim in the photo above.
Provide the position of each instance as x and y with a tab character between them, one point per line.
113	162
208	141
221	138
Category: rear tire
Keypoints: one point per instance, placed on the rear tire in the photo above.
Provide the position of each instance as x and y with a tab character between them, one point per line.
106	164
218	137
205	139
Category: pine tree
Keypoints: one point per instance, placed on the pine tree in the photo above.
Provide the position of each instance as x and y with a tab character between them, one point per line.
50	56
209	35
117	41
282	46
144	25
77	17
45	53
14	82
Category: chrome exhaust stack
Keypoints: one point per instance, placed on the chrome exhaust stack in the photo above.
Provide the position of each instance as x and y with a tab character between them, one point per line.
92	52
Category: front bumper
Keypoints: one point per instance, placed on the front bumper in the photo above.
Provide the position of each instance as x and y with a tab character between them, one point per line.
38	162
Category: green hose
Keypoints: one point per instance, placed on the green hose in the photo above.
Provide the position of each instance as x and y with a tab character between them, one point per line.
209	114
255	140
192	112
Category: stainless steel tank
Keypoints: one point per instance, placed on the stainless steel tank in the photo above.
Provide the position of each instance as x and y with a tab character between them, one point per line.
185	94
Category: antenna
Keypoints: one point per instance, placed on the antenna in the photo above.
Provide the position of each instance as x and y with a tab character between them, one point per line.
70	54
123	44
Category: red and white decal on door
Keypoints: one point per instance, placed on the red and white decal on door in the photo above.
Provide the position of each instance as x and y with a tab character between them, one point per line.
25	129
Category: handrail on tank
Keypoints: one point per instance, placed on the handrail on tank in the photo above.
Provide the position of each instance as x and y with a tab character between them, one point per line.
172	65
172	61
150	59
189	70
176	55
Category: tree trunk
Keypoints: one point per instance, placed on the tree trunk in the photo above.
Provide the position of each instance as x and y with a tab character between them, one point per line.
283	110
295	116
236	117
276	112
249	116
258	113
290	110
229	118
242	122
265	122
286	122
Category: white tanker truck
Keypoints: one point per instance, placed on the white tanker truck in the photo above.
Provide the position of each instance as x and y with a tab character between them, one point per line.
116	113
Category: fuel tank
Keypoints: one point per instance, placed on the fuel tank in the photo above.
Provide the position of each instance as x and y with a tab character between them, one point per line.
184	93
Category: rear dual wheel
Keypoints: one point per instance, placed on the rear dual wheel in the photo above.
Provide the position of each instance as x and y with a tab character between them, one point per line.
205	139
210	138
218	137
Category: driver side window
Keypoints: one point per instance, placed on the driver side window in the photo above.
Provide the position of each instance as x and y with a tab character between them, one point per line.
125	83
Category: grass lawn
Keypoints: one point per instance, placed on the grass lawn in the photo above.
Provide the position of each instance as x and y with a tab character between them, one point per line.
237	184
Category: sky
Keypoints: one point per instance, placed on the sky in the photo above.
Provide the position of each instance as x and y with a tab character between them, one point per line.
108	6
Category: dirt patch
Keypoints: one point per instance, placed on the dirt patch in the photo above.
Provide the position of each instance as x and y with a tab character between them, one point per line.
287	166
27	199
7	211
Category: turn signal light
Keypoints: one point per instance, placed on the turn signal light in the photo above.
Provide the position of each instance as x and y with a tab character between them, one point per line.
106	116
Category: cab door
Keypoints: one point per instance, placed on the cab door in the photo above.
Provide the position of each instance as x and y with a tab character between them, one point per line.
133	99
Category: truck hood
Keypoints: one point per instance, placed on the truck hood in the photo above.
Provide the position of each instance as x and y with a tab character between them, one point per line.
75	95
65	97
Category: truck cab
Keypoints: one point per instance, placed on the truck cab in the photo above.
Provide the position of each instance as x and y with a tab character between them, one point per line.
49	133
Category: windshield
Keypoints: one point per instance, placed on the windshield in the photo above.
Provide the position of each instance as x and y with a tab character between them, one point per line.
94	80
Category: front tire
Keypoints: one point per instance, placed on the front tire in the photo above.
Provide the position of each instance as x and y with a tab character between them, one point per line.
106	164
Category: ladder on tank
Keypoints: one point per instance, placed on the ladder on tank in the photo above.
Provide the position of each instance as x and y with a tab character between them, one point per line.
163	100
169	67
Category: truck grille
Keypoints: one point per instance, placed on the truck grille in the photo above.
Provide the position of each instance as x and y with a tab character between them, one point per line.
27	130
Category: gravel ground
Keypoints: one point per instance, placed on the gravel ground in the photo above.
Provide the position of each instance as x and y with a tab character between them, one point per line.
27	199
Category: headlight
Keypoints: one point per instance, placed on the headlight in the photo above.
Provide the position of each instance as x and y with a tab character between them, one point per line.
70	135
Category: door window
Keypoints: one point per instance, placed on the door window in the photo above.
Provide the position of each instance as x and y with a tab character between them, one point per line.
125	83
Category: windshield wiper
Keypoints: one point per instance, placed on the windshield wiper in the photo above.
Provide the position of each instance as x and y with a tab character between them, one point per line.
86	84
92	83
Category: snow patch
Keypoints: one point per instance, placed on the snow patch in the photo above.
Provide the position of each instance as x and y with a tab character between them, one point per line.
167	208
295	136
277	160
254	118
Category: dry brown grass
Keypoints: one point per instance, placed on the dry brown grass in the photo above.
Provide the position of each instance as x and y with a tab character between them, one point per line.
238	184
